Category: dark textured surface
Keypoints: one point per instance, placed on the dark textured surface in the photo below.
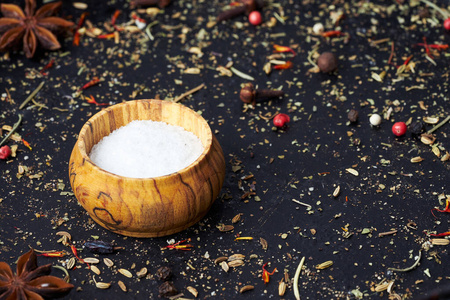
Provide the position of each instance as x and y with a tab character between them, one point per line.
306	161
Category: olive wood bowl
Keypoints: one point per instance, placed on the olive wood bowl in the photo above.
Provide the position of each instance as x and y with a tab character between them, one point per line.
146	207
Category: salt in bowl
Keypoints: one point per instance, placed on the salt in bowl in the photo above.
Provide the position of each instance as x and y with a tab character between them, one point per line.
146	207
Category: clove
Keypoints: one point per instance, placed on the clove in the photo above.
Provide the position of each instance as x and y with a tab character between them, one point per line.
160	3
247	7
249	94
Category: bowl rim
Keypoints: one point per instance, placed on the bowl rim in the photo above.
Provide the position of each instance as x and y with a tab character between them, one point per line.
81	145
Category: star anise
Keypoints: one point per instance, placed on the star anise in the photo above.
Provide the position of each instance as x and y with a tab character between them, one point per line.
31	281
30	27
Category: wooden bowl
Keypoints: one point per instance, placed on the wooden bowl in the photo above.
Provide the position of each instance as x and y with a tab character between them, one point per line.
146	207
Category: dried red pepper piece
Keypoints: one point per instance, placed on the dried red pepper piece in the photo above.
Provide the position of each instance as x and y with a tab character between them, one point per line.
284	66
283	49
266	275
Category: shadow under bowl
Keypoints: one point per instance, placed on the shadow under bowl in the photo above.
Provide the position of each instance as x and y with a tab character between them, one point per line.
146	207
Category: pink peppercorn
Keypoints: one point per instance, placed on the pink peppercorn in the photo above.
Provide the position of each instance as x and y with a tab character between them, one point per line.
281	120
5	152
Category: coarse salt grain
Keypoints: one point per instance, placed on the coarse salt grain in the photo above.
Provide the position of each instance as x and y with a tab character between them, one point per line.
144	149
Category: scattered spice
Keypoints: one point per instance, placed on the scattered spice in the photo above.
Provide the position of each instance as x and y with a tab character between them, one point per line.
167	289
327	62
164	273
416	263
353	115
266	274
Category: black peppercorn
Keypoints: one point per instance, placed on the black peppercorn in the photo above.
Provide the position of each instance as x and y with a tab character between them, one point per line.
416	128
353	116
164	273
167	289
327	62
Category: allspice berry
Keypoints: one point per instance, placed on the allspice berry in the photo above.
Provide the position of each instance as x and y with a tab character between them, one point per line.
327	62
353	115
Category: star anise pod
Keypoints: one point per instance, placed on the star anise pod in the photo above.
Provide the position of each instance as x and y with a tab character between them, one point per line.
31	281
30	28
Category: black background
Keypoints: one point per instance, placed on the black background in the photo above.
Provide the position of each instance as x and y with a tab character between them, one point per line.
305	161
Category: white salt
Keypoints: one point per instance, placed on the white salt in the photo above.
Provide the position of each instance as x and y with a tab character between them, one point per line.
144	149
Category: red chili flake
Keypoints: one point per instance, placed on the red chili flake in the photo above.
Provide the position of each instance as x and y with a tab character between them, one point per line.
283	49
332	33
266	275
140	23
114	17
106	36
177	246
47	66
27	144
408	60
284	66
440	234
446	209
76	37
75	252
92	100
434	46
94	81
53	254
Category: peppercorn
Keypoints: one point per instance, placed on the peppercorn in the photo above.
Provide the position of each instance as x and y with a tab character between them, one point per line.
164	273
167	289
353	115
416	128
5	152
281	120
327	62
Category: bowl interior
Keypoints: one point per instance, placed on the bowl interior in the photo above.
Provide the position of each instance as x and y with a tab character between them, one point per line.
114	117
